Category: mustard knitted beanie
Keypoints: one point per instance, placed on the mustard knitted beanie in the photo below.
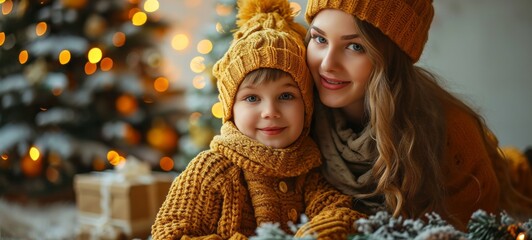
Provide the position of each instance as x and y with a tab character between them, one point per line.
267	37
405	22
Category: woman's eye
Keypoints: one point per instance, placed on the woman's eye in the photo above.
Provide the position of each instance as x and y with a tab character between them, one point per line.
286	96
356	47
251	98
319	39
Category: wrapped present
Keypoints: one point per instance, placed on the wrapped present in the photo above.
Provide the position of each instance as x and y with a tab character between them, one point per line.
121	203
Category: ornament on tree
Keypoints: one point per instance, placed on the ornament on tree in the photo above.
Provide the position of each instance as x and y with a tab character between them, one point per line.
95	26
162	136
30	167
126	104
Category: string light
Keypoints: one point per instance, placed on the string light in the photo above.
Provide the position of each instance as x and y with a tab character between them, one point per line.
166	163
41	28
114	158
126	104
64	57
180	42
161	84
204	46
90	68
34	153
223	10
106	64
139	18
7	6
119	39
217	110
95	55
2	38
197	64
198	82
151	5
23	56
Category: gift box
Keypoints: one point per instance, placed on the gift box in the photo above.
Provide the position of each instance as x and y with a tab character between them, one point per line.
119	204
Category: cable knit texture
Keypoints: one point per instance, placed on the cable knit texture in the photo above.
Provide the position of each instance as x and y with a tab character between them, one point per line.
267	37
405	22
227	191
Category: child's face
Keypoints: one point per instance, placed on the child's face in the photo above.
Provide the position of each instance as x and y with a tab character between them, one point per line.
272	112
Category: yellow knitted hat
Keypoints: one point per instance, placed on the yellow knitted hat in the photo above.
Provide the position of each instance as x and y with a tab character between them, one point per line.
267	37
405	22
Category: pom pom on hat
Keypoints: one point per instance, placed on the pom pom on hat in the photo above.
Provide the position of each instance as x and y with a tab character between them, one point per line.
267	37
405	22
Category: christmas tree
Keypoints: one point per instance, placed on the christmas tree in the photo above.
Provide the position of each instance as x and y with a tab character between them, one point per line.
202	99
80	90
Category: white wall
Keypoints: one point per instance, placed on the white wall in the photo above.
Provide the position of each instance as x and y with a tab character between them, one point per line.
481	48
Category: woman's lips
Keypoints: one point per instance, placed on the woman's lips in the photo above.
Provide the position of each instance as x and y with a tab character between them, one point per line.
333	84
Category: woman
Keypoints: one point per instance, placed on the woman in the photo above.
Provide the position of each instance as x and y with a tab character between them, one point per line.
390	135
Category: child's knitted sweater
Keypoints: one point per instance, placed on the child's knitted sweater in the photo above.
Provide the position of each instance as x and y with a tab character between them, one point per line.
227	191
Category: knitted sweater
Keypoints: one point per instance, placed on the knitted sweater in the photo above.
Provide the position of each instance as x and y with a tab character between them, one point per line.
469	176
228	190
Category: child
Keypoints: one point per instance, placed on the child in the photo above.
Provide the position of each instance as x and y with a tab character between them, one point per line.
262	167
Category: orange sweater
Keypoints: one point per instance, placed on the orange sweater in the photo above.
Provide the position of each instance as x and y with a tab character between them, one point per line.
227	191
470	179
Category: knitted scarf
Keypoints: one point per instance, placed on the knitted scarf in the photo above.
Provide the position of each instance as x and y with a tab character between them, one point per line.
264	167
254	157
348	157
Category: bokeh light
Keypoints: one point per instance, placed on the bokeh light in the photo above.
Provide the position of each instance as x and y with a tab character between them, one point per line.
217	110
223	10
106	64
34	153
64	57
2	38
197	64
161	84
95	55
41	28
204	46
23	56
166	163
139	18
180	42
119	39
7	6
90	68
151	5
126	104
199	82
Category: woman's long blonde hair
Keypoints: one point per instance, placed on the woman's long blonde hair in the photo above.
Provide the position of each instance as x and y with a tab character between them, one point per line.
405	106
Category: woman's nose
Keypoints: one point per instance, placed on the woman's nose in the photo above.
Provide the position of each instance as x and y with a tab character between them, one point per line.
329	62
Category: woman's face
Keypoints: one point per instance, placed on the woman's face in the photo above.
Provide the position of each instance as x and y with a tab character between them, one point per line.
338	61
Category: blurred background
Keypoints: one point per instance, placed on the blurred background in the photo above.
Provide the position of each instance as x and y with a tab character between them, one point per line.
87	84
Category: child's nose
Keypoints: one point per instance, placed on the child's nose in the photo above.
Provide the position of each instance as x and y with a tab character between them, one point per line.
270	110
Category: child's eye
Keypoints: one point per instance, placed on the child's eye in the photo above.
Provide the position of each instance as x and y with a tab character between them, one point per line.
356	47
319	39
251	98
286	96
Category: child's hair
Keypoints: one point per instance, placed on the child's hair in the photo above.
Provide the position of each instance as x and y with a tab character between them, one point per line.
263	75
